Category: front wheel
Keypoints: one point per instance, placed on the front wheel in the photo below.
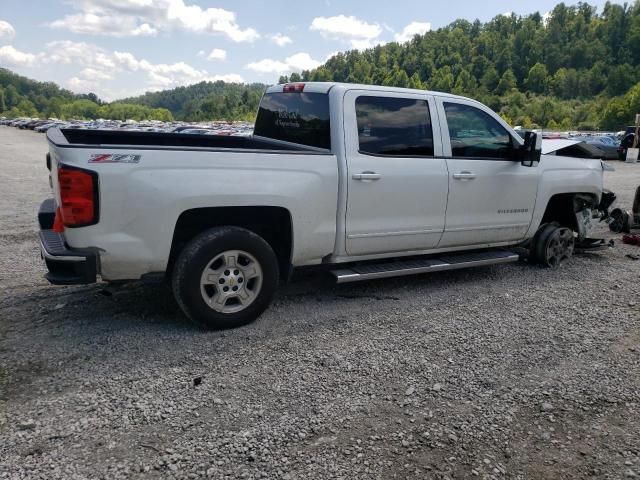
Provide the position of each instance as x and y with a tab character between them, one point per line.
553	245
225	277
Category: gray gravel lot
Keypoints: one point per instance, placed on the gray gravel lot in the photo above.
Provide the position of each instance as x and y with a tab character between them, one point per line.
504	372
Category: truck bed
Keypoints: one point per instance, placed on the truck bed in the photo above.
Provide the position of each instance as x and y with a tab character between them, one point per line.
77	138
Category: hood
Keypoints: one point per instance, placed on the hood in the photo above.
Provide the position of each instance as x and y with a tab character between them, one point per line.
571	148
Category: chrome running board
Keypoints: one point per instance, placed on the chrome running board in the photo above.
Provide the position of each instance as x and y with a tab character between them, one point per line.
413	267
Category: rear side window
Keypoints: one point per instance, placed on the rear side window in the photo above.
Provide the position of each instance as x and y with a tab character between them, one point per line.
475	134
295	117
391	126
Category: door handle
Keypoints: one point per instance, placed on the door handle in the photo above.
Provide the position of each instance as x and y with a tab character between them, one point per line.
366	176
464	175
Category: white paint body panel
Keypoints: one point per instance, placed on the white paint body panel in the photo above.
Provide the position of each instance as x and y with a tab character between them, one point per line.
415	208
405	208
140	203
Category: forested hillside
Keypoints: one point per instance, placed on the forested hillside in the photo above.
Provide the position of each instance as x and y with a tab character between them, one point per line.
207	101
21	96
559	71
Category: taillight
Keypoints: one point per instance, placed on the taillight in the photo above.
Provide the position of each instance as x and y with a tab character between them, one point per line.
78	196
293	88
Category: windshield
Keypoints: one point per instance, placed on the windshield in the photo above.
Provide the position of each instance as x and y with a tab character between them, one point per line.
295	117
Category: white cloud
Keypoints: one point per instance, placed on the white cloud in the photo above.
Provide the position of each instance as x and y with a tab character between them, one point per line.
82	85
301	61
294	63
127	18
411	30
94	74
98	68
11	57
280	40
6	30
358	33
111	25
66	52
217	54
229	78
268	66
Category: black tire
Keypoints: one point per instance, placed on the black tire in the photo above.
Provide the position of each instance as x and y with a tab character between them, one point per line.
548	234
533	256
197	255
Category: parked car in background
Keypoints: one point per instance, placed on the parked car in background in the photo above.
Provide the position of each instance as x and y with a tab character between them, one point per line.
199	131
626	143
213	127
605	144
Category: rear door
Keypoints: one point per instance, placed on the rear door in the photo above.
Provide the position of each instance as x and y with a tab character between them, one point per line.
397	176
491	195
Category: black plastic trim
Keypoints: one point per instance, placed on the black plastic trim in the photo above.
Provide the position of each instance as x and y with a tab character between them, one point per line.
47	214
271	147
67	266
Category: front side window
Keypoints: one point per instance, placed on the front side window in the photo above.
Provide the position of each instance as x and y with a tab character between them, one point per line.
390	126
475	134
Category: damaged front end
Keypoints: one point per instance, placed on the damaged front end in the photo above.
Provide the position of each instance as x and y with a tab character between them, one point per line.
587	215
623	221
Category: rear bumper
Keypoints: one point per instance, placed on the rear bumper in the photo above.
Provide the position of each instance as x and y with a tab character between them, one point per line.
67	266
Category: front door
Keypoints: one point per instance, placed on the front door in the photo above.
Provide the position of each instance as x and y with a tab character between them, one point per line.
397	176
491	195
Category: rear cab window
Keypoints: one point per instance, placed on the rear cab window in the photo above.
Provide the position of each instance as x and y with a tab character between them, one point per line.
394	126
296	117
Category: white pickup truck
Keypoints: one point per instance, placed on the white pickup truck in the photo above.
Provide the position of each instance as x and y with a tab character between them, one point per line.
363	181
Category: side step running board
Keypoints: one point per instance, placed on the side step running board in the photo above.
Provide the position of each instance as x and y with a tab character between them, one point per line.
414	267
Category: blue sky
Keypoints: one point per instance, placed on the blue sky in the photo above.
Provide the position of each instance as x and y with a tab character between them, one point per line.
118	48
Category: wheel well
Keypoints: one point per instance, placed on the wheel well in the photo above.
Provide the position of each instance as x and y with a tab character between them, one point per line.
273	224
563	206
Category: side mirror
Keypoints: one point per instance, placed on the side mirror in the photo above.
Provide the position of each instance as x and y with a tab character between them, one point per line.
531	151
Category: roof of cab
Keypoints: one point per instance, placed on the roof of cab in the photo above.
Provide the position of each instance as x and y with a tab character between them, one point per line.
324	87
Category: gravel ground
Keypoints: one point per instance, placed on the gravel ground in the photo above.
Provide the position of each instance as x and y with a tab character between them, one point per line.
503	372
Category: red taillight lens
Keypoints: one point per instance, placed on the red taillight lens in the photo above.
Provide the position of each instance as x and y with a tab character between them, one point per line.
78	196
293	88
58	226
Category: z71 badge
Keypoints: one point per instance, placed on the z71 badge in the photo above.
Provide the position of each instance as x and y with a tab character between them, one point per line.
114	158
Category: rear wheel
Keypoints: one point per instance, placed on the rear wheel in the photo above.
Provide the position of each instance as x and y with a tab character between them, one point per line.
225	277
553	245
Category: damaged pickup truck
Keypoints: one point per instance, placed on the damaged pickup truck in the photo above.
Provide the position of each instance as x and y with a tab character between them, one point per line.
365	182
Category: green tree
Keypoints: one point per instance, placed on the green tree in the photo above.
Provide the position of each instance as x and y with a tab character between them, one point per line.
11	96
507	82
621	78
490	79
465	84
80	109
443	80
26	108
536	80
415	82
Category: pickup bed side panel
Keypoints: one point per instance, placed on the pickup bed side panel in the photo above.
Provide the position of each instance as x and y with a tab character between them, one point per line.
140	202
